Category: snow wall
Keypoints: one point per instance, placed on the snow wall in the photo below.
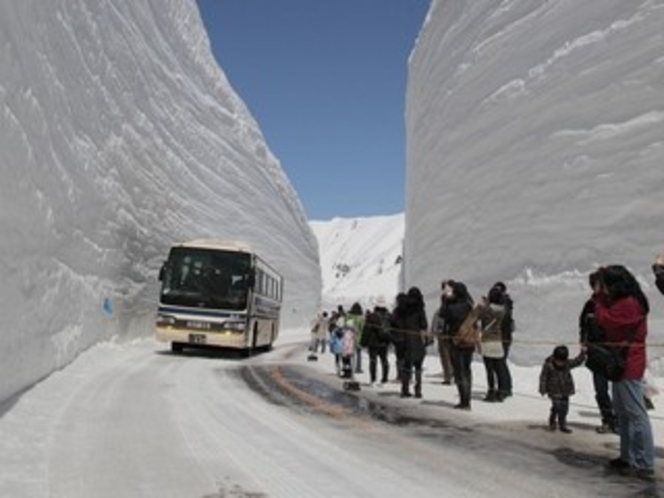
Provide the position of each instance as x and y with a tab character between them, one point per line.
120	135
535	152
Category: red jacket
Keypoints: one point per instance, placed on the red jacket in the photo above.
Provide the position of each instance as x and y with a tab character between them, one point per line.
619	321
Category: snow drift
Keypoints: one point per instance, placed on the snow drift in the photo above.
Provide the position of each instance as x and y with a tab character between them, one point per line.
119	135
360	259
535	151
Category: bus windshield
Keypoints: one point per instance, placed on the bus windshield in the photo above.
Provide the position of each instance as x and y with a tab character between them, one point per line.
206	278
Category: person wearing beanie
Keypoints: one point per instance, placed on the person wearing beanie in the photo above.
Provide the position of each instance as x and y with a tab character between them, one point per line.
557	383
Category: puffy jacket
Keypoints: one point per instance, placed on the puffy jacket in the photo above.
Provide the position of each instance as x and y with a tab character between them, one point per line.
411	329
624	320
557	381
491	319
355	322
374	335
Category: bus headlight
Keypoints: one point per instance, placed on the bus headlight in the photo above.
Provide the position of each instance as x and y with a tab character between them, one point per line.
165	320
234	326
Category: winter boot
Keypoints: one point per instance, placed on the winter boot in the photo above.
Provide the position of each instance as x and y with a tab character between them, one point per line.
552	422
562	423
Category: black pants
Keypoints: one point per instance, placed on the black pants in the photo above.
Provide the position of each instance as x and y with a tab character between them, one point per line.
406	373
374	354
400	352
496	376
462	359
603	399
559	411
507	344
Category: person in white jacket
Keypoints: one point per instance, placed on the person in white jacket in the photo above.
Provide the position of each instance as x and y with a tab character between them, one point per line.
319	333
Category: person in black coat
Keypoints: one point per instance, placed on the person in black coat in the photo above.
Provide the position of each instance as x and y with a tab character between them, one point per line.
397	337
376	338
591	333
459	306
658	270
412	329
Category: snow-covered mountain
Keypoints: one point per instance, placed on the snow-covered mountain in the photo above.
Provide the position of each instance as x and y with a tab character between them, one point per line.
360	259
535	151
120	135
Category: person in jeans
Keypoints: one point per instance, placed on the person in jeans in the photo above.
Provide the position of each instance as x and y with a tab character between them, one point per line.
621	310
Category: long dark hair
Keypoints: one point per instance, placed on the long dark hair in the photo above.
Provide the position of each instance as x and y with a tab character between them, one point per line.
620	283
414	298
461	293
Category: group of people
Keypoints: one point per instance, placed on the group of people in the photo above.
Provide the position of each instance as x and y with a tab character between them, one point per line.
615	314
406	329
615	319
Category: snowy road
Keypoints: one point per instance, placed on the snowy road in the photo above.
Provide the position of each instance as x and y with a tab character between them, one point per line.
135	421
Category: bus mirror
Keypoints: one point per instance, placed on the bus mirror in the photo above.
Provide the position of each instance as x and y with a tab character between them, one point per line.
251	280
162	271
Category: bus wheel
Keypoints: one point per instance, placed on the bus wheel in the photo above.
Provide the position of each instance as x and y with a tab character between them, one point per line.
177	347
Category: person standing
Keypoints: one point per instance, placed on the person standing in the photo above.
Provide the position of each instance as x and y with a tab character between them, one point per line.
591	333
621	310
459	306
319	333
658	270
397	336
355	320
490	313
413	326
443	340
507	329
376	339
557	383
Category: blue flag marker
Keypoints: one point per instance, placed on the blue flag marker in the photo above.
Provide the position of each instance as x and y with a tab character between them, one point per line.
107	307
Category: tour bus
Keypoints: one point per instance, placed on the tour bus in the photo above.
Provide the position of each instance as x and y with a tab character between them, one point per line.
220	294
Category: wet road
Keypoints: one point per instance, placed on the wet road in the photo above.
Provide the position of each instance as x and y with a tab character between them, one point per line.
137	421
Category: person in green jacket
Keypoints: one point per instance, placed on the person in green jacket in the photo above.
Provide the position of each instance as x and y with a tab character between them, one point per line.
355	320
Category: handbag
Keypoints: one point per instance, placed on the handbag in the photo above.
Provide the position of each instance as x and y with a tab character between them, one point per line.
609	360
468	335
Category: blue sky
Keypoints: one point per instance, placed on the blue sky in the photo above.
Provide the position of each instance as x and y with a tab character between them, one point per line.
326	81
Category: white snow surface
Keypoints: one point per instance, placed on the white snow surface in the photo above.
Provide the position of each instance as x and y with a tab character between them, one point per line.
120	135
360	259
535	145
